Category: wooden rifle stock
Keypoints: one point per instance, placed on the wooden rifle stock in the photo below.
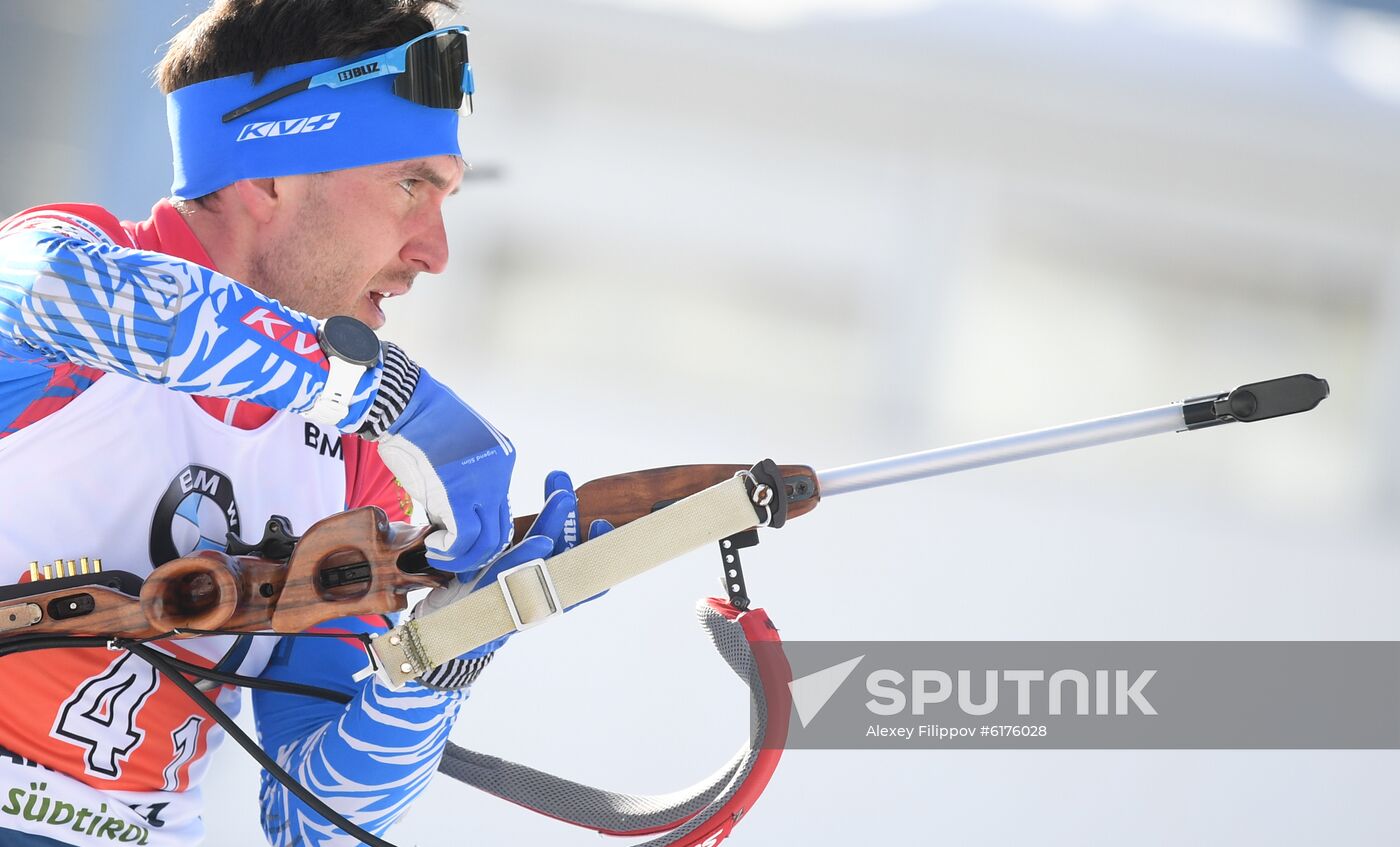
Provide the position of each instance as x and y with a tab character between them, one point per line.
623	498
352	563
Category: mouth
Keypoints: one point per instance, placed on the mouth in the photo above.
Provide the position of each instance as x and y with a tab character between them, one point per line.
386	291
376	297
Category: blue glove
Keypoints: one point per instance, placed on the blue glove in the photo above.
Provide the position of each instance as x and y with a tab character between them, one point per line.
458	466
554	531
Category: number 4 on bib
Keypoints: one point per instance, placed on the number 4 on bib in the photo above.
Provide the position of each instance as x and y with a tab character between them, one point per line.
101	715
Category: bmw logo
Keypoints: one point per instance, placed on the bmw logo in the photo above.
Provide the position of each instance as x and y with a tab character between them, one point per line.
196	513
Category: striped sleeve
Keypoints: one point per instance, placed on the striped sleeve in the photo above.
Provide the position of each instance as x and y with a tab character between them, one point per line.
162	320
33	385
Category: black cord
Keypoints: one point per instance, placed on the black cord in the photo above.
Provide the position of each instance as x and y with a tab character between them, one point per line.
266	633
24	644
161	662
258	682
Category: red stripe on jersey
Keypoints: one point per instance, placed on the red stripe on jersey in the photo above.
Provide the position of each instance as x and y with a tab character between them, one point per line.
369	483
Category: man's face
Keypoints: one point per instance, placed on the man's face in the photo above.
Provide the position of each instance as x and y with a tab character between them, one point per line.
342	242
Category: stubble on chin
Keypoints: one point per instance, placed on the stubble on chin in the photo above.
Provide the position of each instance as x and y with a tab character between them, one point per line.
303	278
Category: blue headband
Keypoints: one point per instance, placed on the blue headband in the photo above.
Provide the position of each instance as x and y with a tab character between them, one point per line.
320	129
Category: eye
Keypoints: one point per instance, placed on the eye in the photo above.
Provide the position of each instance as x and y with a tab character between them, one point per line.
408	184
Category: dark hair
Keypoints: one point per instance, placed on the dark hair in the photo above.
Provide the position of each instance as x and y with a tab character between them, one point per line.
241	36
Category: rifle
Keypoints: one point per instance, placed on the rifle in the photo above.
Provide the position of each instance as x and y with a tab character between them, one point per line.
360	563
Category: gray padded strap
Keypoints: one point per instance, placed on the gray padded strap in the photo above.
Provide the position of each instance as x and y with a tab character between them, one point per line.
612	811
542	589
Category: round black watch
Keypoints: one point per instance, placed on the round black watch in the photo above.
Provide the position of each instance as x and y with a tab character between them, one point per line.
350	348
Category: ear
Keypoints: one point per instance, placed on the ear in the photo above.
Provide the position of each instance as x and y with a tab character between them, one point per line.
258	197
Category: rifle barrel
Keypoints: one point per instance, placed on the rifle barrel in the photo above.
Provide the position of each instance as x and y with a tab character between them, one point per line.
995	451
1257	401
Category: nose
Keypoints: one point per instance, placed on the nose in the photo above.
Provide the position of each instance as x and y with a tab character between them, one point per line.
427	248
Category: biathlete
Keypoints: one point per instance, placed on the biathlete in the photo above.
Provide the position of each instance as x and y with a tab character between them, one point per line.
166	382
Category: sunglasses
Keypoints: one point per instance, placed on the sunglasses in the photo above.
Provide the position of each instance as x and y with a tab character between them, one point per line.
431	70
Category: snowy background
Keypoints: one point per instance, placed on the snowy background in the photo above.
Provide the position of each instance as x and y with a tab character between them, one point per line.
832	230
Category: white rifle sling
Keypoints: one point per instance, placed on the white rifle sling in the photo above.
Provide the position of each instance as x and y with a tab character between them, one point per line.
522	597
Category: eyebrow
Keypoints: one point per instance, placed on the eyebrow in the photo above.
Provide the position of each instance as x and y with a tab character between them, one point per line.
421	170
